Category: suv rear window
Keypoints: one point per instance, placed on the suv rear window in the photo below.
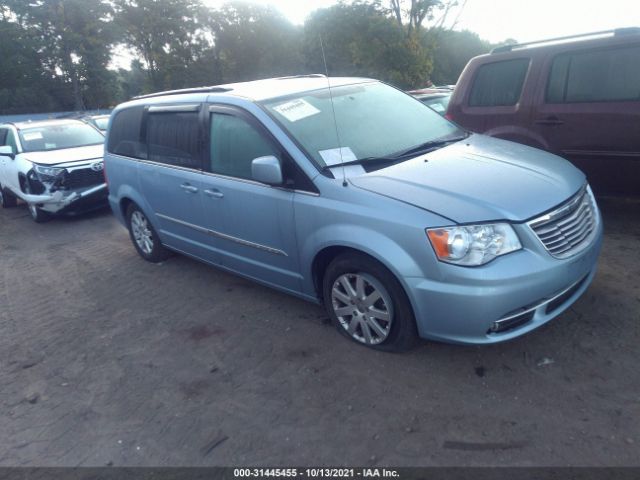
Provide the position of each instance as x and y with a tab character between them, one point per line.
596	76
125	135
499	83
173	138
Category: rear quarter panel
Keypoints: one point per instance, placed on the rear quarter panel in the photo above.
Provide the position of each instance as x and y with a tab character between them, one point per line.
122	176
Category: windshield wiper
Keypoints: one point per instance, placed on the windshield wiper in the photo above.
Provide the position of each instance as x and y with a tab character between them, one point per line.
368	160
431	145
403	155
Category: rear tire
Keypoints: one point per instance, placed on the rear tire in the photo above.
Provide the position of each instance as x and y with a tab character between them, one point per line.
368	304
7	199
144	237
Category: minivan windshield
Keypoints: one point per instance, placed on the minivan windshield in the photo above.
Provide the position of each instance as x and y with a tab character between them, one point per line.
57	136
373	121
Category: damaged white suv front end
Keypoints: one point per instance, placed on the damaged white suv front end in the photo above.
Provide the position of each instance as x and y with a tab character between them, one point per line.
54	166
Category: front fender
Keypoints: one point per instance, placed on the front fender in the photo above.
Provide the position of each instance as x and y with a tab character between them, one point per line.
381	247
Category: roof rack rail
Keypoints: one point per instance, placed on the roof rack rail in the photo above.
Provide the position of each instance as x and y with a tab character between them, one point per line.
614	32
185	90
309	75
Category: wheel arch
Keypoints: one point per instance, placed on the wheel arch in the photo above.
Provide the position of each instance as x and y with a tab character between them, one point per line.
123	205
325	255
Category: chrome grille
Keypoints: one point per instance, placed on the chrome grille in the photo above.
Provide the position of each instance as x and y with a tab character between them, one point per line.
570	228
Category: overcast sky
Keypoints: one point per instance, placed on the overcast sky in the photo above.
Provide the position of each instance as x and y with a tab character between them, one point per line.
497	20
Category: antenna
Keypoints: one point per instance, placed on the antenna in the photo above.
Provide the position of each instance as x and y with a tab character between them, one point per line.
335	122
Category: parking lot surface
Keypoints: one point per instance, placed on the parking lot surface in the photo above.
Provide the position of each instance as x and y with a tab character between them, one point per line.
106	359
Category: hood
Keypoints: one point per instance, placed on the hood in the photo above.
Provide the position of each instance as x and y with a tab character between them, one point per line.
479	179
65	155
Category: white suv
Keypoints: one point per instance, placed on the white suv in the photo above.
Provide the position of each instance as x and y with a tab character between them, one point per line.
55	166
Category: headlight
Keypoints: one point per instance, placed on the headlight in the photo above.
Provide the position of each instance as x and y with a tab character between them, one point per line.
48	173
473	245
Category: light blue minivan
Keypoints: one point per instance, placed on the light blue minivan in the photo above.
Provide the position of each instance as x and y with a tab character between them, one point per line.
351	193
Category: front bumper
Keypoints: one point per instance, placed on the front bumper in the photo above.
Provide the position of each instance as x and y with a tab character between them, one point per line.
524	290
64	201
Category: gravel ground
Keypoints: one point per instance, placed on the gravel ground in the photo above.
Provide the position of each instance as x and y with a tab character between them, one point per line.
108	360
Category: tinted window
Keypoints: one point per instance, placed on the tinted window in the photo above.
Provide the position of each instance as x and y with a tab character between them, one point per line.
234	144
59	135
174	138
125	135
595	76
499	83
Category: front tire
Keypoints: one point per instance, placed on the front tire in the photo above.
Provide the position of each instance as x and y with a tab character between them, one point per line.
144	237
368	304
38	215
7	199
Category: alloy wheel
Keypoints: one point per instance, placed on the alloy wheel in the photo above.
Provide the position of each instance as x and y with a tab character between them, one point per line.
363	307
141	232
33	210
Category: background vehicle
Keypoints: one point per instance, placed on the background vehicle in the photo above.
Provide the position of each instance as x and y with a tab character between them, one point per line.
98	121
402	224
55	166
578	97
436	98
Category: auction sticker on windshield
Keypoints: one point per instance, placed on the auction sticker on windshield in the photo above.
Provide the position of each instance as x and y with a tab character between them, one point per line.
336	156
295	110
28	136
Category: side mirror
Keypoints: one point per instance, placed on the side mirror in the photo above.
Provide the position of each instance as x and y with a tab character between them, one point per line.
7	151
267	170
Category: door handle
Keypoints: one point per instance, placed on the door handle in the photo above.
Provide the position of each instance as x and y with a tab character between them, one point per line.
551	120
189	188
214	193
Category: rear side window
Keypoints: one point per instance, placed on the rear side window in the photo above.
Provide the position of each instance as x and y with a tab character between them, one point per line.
595	76
125	137
174	138
499	83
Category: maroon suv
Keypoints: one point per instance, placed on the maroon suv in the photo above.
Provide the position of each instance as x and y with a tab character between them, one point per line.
578	97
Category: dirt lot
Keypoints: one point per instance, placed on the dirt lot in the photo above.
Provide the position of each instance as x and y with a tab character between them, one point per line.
107	359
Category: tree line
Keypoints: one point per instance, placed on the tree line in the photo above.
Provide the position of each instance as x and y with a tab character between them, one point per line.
58	55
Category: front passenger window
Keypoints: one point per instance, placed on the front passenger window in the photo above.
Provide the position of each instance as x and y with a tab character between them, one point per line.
234	144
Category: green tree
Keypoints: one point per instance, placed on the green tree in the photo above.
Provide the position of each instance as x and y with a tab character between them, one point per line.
362	39
413	13
74	39
453	49
254	41
25	84
167	34
132	82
